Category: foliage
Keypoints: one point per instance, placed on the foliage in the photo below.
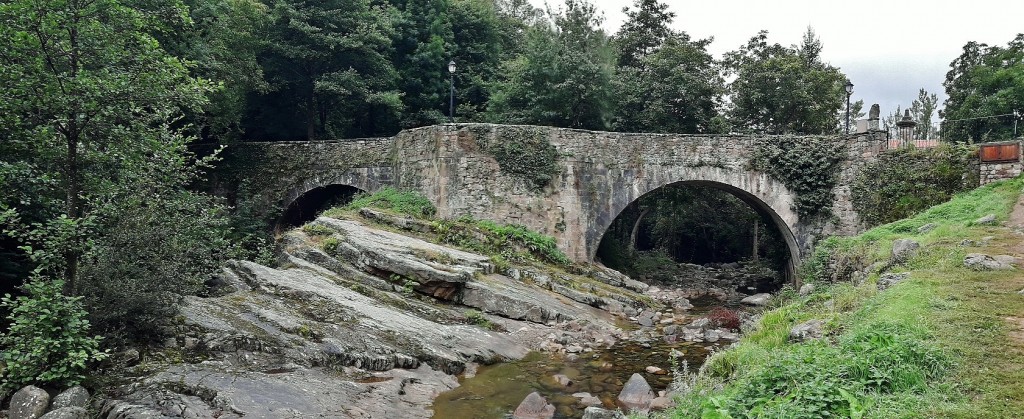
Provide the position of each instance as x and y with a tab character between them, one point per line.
723	317
905	181
403	202
784	90
477	318
922	110
317	230
644	32
911	350
526	154
48	341
984	88
329	71
562	78
808	166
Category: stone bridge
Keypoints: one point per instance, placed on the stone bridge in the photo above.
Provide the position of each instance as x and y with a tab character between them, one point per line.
601	173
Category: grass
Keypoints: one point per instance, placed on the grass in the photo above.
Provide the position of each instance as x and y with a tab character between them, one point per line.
935	345
391	199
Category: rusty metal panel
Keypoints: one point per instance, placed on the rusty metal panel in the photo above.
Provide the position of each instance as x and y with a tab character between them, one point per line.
994	153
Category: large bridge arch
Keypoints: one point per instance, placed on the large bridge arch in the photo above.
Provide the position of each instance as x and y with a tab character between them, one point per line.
763	194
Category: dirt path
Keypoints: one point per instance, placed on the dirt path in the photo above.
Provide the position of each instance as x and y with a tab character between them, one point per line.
1016	225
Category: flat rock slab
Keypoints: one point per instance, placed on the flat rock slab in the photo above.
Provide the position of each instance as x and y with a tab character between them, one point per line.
983	262
375	250
757	299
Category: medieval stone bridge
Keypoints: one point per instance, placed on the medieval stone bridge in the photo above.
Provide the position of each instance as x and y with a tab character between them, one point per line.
601	173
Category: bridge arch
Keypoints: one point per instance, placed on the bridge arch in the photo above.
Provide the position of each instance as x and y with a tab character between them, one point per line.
303	201
767	196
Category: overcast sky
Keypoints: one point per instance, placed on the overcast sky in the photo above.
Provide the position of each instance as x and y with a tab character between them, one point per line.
888	49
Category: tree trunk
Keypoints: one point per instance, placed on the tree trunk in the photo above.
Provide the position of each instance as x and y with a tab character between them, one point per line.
636	228
755	255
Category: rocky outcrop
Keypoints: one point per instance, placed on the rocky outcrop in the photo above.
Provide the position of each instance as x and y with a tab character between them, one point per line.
903	249
983	262
889	279
332	333
811	329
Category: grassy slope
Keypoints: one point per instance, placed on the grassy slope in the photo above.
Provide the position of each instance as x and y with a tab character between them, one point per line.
939	344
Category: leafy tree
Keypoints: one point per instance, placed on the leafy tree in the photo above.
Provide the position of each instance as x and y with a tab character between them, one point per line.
563	78
676	89
98	165
91	94
645	30
329	69
784	90
922	110
856	112
985	86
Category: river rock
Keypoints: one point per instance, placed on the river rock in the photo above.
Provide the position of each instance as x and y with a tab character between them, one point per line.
587	399
562	380
76	396
806	289
661	403
986	220
711	335
636	395
70	412
594	412
810	329
699	324
889	279
903	249
670	329
651	369
757	299
534	406
28	403
983	262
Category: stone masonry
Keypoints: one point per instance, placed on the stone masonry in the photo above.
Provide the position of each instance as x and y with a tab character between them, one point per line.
601	173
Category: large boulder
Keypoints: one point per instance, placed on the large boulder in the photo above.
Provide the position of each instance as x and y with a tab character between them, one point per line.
983	262
534	406
903	249
806	289
28	403
757	299
76	396
636	395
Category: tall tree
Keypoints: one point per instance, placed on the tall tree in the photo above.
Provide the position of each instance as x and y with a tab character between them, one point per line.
328	65
784	89
563	78
90	93
646	28
985	86
922	110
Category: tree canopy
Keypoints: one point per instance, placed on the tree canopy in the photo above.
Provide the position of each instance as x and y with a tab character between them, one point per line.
985	85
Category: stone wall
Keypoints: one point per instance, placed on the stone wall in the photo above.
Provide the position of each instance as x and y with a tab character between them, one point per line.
600	173
989	172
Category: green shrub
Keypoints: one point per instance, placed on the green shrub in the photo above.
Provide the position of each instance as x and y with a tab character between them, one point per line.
906	181
317	230
48	342
533	242
403	202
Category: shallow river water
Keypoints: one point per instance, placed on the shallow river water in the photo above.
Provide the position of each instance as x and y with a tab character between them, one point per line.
496	390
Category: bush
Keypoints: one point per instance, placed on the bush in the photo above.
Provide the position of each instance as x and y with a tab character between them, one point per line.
723	317
47	342
403	202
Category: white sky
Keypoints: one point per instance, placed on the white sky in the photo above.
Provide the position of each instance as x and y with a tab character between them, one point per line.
888	49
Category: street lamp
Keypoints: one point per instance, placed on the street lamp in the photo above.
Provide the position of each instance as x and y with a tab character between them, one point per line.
451	98
849	91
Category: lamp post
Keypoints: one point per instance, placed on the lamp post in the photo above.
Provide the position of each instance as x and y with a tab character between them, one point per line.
451	97
849	91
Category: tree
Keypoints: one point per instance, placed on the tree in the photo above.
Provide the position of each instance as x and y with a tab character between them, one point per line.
563	78
922	110
90	93
645	30
92	131
784	90
676	89
856	112
329	69
985	86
